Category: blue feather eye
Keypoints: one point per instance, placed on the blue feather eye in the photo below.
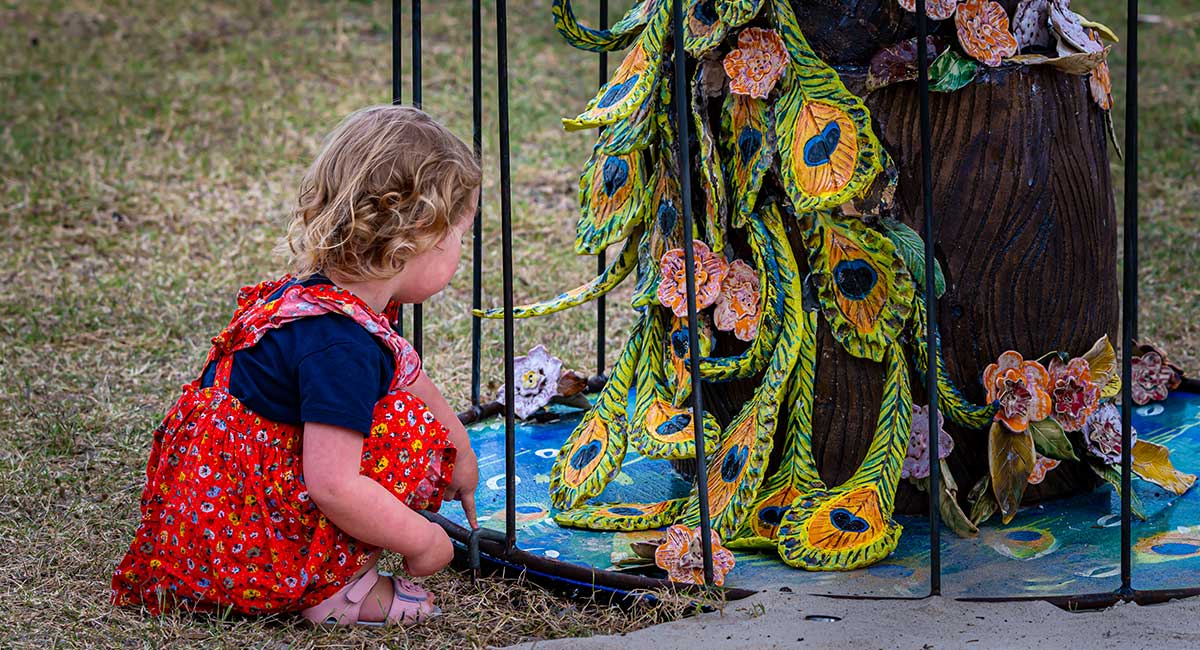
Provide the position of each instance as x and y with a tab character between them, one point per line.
625	511
674	425
616	174
819	148
586	454
732	465
855	278
705	12
667	214
617	92
749	141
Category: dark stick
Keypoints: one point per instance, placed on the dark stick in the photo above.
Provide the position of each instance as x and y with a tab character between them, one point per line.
601	261
685	181
418	309
1129	300
477	242
397	97
510	443
935	475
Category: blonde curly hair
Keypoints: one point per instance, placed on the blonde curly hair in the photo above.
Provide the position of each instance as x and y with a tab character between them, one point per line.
388	185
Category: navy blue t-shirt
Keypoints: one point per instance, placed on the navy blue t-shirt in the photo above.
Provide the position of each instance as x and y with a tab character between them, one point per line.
323	368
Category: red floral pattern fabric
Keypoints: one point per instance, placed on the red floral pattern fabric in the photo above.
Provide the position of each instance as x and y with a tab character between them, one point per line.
226	519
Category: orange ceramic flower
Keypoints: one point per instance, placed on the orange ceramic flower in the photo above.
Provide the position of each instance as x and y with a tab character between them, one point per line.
983	31
1075	395
935	9
756	63
1041	465
710	272
682	556
1020	388
737	304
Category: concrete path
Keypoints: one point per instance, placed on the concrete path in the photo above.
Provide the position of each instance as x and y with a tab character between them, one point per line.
776	619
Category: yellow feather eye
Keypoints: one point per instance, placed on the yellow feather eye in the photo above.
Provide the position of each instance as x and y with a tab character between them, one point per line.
587	452
769	513
854	520
825	149
860	294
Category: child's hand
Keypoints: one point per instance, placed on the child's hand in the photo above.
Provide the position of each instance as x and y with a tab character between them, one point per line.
463	482
435	554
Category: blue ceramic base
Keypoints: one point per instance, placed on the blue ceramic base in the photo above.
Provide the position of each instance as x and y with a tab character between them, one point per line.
1071	546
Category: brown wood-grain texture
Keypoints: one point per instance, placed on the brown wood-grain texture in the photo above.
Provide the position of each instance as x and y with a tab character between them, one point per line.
1026	234
1025	227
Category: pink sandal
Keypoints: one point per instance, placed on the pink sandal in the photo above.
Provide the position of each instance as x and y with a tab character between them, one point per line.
410	603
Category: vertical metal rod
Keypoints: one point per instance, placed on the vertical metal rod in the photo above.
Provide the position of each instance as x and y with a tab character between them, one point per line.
601	261
1129	296
685	181
477	242
935	484
510	461
418	309
397	95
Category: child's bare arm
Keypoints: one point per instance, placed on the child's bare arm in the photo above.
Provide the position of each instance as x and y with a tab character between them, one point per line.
363	508
465	478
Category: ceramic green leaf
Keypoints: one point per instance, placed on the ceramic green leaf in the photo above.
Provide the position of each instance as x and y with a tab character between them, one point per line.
951	71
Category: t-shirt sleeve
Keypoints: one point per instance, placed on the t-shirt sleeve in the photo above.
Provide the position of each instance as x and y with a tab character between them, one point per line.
339	386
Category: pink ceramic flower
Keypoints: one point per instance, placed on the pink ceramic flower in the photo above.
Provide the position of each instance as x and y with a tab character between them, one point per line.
710	272
1102	431
682	556
916	463
737	304
1020	387
1152	377
757	63
1075	396
537	376
935	9
1041	465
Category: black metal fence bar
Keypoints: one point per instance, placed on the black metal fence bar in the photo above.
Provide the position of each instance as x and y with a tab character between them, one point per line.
477	241
685	184
935	475
601	261
418	101
510	443
398	90
1129	298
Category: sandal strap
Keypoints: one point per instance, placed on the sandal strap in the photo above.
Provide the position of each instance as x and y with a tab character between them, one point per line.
362	586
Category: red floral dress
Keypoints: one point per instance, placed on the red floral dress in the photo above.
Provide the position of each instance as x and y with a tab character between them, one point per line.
226	519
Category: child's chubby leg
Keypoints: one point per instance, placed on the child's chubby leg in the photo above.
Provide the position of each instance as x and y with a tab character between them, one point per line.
369	512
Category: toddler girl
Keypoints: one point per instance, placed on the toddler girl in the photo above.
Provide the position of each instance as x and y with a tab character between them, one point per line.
313	436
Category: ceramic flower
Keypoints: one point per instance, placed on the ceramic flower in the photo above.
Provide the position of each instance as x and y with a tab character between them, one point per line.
1075	395
1100	81
1021	389
1153	375
916	463
710	272
757	63
1102	431
983	31
935	9
1041	465
737	304
682	556
537	375
1031	24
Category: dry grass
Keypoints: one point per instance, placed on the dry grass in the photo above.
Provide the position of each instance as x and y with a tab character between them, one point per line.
148	157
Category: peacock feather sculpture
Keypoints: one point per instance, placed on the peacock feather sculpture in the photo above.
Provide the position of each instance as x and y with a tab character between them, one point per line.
783	147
